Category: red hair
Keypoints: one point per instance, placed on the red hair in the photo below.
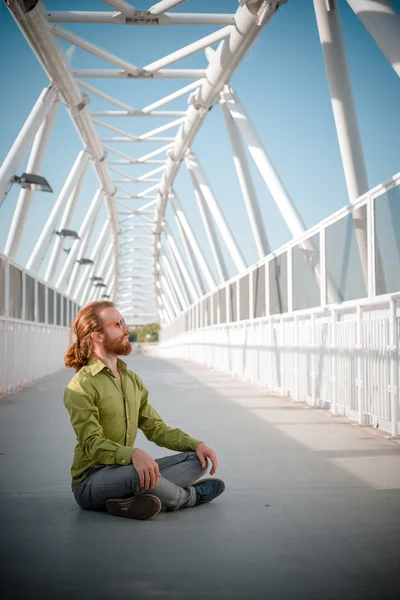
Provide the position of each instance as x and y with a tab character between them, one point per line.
86	321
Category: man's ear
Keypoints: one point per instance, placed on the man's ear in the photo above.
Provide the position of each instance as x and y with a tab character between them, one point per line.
97	336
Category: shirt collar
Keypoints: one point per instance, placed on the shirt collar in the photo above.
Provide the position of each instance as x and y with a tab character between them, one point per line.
95	365
122	366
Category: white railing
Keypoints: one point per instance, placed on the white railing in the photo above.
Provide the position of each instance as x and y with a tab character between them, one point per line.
316	320
28	352
345	359
352	254
34	325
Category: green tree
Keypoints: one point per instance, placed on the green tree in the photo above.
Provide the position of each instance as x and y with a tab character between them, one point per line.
149	333
133	334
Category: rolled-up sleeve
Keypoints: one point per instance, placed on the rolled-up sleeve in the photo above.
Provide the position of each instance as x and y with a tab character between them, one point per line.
157	431
84	416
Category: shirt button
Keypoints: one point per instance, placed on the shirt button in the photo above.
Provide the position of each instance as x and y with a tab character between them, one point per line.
123	462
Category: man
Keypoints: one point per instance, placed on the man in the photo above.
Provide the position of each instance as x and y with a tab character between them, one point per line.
107	404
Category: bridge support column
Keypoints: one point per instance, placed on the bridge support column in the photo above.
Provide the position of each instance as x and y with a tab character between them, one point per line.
95	256
25	137
25	196
180	263
181	283
267	170
101	271
382	21
174	282
85	234
167	297
233	249
344	112
64	224
168	309
246	184
44	240
194	245
78	246
170	293
110	280
209	227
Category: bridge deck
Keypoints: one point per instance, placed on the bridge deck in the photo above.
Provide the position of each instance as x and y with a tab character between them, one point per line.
312	507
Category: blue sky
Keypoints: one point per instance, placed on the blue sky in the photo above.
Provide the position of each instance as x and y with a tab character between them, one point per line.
282	84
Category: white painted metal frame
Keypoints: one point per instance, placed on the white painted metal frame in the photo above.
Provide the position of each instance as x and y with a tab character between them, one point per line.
25	196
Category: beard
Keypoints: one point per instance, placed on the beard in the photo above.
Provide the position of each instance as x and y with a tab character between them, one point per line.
119	346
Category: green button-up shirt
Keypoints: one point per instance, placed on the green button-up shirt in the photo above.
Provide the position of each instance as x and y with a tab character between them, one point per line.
106	417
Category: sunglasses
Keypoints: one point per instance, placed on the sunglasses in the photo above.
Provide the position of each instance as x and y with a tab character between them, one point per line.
121	323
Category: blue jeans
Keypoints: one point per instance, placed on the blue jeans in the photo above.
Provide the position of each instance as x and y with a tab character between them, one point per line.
174	487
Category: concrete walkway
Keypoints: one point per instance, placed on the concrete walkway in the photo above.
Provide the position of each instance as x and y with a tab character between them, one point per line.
311	510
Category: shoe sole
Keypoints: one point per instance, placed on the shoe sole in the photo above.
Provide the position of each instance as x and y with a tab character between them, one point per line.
141	507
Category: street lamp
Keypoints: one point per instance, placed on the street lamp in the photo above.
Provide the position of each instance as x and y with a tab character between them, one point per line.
68	233
29	181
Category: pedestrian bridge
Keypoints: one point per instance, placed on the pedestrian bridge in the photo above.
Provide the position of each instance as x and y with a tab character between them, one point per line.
279	340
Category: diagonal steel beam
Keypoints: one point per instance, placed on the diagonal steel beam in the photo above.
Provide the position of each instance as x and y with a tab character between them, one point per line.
95	50
249	21
34	26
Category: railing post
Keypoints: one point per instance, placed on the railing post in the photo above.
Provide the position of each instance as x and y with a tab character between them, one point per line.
296	358
322	261
281	358
23	295
371	246
334	360
46	306
313	357
359	365
290	278
251	295
394	357
267	302
7	289
271	352
238	303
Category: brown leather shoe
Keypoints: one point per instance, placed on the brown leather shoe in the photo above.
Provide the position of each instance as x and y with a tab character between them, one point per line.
143	506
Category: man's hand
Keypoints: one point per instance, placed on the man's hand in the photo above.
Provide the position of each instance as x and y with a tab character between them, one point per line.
147	469
203	452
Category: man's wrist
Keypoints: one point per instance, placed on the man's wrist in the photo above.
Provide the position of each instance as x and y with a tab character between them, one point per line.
123	455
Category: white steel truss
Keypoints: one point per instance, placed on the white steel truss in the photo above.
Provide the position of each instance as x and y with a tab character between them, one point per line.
123	262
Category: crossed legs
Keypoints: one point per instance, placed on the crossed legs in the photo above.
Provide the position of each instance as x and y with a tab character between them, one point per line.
178	473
